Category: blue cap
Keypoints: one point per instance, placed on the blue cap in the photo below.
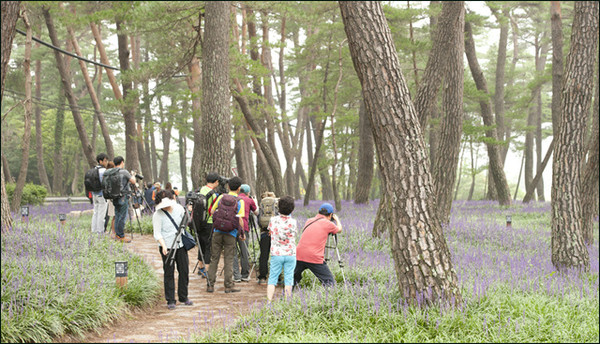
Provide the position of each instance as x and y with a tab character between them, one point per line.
326	206
245	188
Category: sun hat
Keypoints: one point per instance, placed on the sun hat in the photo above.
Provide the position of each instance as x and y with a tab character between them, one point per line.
165	203
326	206
245	188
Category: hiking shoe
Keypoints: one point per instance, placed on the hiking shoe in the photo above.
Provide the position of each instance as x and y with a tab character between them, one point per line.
262	281
232	290
124	239
171	306
188	302
202	272
246	279
237	280
210	289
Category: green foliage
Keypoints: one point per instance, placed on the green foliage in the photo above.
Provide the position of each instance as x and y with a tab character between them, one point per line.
32	194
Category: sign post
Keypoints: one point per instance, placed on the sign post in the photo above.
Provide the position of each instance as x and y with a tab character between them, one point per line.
121	273
62	218
24	213
508	221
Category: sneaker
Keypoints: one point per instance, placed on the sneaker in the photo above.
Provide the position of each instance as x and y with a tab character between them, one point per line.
246	279
202	272
124	239
188	302
262	281
232	290
171	306
210	289
237	280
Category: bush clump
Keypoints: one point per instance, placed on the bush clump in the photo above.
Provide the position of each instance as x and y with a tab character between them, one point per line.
32	194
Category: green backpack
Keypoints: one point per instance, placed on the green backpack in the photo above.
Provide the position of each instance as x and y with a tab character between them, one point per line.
268	208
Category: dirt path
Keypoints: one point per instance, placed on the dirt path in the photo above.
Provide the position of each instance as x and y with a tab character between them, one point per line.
160	325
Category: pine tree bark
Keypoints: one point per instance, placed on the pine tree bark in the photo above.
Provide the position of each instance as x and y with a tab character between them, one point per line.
589	183
65	76
215	142
16	202
448	150
365	157
494	154
422	259
568	248
557	64
10	15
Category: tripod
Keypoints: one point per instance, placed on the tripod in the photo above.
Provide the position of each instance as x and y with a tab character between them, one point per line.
329	246
252	221
132	210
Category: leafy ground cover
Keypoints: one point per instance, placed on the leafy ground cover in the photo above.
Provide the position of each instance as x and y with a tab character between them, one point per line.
59	279
510	288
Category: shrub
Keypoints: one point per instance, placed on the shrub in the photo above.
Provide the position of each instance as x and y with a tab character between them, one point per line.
32	194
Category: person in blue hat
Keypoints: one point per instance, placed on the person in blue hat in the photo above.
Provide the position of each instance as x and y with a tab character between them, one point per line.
310	252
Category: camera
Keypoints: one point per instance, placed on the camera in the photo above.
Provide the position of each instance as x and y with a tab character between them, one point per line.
137	175
221	189
191	197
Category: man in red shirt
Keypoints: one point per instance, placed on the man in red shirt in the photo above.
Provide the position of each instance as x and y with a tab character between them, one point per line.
310	252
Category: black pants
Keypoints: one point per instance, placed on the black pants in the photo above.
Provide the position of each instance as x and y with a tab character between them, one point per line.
183	267
204	231
320	270
263	259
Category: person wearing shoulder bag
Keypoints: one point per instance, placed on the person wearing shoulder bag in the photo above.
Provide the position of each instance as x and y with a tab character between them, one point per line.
168	212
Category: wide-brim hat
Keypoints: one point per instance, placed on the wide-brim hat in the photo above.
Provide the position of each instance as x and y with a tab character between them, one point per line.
165	203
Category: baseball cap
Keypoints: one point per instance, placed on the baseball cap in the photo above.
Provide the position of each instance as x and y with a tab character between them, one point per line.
326	206
245	188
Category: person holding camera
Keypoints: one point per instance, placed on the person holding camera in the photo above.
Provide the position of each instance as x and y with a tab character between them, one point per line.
310	252
122	204
165	232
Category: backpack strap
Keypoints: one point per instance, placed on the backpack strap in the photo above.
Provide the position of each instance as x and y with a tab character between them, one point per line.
305	227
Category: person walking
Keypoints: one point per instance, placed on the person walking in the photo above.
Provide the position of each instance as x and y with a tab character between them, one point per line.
282	230
228	223
243	257
310	252
204	224
98	200
165	232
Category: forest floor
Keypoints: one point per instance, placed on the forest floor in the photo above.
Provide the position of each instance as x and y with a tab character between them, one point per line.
157	324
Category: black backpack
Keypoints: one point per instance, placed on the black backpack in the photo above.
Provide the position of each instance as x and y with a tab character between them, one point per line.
200	206
111	184
92	179
225	217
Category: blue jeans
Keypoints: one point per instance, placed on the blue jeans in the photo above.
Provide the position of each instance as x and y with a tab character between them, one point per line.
288	264
121	208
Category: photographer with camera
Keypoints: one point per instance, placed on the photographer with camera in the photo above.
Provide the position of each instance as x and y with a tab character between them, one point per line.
310	252
122	203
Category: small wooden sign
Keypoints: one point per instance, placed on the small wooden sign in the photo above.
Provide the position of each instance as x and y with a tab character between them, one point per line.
62	218
508	221
25	211
121	273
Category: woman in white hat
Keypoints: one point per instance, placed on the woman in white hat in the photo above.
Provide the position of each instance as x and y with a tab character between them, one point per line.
165	233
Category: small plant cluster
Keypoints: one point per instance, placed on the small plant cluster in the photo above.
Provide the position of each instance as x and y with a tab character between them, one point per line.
59	279
32	194
511	291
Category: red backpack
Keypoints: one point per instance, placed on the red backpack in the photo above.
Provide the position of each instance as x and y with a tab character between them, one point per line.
225	217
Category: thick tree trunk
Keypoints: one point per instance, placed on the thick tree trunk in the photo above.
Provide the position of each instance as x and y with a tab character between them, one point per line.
496	167
589	183
128	102
38	128
215	142
568	248
448	150
16	202
10	15
365	157
65	76
422	259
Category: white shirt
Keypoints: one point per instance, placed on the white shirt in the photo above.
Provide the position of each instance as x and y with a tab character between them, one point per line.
164	228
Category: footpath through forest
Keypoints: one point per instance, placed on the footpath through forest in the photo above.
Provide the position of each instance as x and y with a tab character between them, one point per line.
157	324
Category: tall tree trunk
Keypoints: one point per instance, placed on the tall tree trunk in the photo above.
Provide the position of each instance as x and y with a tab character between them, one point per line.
96	103
460	167
530	191
148	127
557	64
16	202
77	167
38	128
589	183
166	140
473	172
496	167
59	126
365	157
519	178
65	76
500	71
422	259
182	161
336	196
538	146
448	150
128	101
568	248
216	117
194	80
10	15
